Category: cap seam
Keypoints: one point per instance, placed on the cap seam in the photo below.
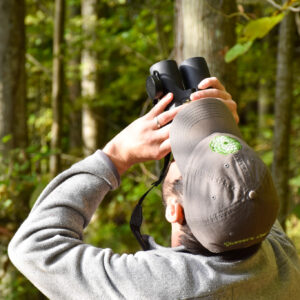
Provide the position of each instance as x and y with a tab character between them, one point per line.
190	122
224	183
220	215
248	177
224	213
220	180
237	157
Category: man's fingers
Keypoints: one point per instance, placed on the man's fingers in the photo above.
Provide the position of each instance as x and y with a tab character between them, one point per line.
214	93
165	148
163	133
165	117
236	117
160	106
230	104
211	82
233	108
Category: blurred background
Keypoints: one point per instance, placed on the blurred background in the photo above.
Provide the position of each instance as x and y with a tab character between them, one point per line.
72	75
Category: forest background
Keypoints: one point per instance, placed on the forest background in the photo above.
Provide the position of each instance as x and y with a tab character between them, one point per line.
72	75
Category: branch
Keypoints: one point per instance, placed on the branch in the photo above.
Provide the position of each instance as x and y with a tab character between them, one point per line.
147	172
238	13
278	6
38	64
294	9
297	18
273	3
235	14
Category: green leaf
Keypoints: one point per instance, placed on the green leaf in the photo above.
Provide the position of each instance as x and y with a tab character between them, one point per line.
6	138
253	30
237	50
7	203
296	211
295	181
260	27
267	157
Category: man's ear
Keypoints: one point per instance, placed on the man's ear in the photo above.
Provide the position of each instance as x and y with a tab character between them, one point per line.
174	212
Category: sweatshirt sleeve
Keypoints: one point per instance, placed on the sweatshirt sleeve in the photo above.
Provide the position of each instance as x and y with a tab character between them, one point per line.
48	247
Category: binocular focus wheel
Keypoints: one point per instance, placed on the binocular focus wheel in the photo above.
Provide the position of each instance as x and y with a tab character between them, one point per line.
154	87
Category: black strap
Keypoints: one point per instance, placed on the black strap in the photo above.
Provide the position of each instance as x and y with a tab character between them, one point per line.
136	219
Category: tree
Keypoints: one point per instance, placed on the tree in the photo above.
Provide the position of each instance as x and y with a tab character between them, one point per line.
90	118
13	116
12	75
13	129
74	87
205	28
57	85
266	60
283	110
264	98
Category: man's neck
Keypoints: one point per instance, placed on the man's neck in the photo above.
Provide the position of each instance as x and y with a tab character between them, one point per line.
175	236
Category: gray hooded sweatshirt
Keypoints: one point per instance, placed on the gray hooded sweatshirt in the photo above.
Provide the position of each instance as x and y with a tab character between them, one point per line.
48	249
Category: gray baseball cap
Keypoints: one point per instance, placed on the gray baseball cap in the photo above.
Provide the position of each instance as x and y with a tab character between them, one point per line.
229	198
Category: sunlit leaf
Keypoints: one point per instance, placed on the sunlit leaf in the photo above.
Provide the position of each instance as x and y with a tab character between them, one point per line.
6	138
260	27
253	30
267	157
237	50
7	203
296	211
295	181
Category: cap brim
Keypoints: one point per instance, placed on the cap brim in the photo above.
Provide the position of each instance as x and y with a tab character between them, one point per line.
195	122
229	199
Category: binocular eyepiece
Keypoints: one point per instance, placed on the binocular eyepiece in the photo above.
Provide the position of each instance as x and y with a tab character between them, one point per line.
167	77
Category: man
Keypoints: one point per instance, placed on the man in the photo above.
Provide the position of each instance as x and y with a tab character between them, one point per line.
48	247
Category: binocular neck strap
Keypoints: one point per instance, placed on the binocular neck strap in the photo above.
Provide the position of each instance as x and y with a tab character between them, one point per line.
136	219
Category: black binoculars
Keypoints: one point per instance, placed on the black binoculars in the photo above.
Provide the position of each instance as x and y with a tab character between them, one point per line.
167	77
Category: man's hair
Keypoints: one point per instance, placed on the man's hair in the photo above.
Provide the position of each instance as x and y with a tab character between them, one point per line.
187	239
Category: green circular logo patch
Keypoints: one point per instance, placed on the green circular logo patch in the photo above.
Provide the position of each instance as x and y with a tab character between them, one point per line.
225	145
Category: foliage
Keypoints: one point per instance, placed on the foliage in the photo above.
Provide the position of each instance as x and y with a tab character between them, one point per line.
127	43
18	181
15	286
256	29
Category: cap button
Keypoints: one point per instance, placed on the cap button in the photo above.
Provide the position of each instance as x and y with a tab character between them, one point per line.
252	195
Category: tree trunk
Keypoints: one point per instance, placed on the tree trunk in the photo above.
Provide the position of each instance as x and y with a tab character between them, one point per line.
57	86
204	28
13	100
268	49
264	100
12	75
283	109
12	122
75	91
89	78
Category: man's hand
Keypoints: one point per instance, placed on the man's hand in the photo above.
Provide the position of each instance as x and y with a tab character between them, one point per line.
216	90
147	138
